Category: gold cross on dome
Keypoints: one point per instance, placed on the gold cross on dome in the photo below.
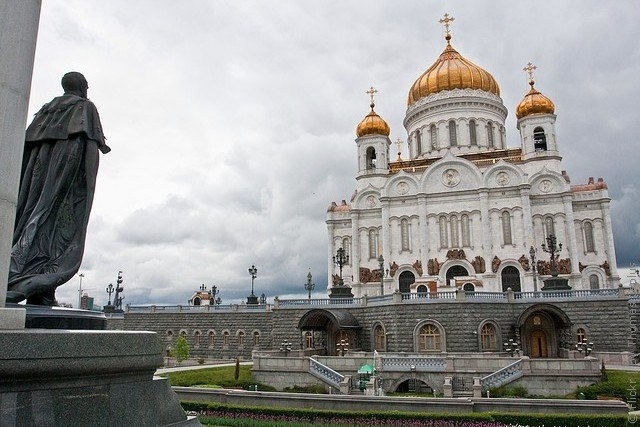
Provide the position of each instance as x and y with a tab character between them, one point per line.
398	144
371	93
446	21
529	69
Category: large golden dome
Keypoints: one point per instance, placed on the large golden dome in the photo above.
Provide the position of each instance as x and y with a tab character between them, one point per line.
372	124
534	103
452	71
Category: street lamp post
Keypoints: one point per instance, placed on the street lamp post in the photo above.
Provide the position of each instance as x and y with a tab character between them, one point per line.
584	346
253	272
285	347
511	347
342	347
215	292
309	286
381	264
109	291
554	251
81	275
532	255
341	258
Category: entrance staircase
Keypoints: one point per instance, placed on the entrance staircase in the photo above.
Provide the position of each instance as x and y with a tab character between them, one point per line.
325	373
503	376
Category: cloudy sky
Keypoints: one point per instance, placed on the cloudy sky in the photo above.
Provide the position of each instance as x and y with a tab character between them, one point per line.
232	123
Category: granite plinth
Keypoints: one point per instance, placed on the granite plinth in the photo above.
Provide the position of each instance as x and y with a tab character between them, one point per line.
44	317
341	292
97	378
556	284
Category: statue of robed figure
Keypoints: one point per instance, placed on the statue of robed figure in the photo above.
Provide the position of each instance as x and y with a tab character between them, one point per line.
57	184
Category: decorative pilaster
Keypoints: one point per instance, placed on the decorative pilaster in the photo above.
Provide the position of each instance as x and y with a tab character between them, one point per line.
386	240
355	246
486	224
571	234
423	230
608	238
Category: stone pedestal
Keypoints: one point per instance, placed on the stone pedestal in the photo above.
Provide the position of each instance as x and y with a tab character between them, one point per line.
556	284
96	378
340	292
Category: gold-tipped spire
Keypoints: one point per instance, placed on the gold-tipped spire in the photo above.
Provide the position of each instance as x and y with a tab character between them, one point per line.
399	145
534	102
446	21
372	124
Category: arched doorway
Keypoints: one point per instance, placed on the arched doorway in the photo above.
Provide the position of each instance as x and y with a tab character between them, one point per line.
543	330
405	281
538	344
455	271
325	329
510	279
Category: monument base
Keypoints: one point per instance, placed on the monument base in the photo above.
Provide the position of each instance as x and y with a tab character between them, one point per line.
340	292
556	284
12	318
45	317
88	378
252	300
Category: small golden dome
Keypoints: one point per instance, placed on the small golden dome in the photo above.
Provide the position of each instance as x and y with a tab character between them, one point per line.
534	103
452	71
372	124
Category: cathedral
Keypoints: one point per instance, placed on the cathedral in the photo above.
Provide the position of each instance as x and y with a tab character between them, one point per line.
464	211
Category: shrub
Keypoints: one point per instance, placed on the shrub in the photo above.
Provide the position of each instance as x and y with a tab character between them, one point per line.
504	391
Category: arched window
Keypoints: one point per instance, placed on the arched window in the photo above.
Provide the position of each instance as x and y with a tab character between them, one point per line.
506	228
225	338
510	279
196	301
453	137
433	130
346	245
183	334
455	271
418	142
539	139
404	234
588	237
240	338
211	339
549	227
405	281
443	232
371	158
429	338
490	142
466	237
488	337
256	338
501	130
581	334
468	287
379	338
455	241
472	132
373	244
196	338
422	289
169	335
308	339
594	282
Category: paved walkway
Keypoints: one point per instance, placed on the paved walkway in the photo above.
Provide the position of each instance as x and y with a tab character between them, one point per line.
628	368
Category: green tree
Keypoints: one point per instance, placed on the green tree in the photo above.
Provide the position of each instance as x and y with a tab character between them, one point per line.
181	349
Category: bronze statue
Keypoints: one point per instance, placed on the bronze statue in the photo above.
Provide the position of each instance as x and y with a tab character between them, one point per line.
57	183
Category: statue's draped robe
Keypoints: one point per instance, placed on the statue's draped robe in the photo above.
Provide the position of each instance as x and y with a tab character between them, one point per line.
57	184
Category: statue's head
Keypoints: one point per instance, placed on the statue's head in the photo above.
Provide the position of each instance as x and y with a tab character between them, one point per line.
75	83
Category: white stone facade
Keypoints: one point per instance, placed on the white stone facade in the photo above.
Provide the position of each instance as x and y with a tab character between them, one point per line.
465	201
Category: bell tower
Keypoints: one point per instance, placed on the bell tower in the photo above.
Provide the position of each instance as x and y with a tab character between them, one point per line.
373	143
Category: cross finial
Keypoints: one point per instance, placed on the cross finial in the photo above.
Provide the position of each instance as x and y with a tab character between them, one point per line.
446	21
529	69
399	144
372	92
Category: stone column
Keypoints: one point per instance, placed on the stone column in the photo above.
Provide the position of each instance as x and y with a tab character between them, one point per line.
528	237
386	238
355	246
486	227
423	231
331	249
18	33
609	245
571	234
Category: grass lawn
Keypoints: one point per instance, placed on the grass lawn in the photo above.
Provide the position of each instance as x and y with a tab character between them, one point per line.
616	384
216	377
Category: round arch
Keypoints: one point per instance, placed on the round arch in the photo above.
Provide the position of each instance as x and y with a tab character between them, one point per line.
405	280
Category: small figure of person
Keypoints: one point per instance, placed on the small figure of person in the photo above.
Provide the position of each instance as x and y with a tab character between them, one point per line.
57	184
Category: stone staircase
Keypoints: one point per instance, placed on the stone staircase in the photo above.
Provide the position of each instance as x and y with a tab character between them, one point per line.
503	376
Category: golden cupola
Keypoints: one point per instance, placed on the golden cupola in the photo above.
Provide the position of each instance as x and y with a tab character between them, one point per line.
534	103
372	124
451	71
